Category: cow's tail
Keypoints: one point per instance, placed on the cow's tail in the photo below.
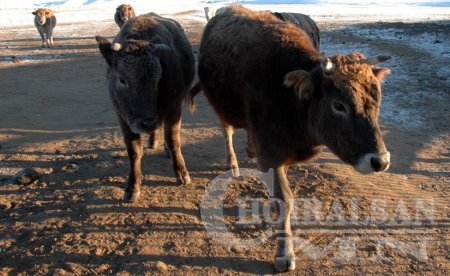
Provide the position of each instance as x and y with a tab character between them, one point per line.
191	94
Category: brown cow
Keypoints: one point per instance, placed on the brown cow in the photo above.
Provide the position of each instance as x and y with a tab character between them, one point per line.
151	67
264	75
123	13
45	22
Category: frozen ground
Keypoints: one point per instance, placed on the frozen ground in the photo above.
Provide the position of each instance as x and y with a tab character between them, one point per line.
56	114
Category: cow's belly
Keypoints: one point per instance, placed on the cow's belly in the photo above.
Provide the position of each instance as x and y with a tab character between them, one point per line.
229	106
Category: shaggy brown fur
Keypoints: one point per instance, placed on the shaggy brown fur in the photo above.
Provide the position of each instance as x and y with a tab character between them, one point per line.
265	75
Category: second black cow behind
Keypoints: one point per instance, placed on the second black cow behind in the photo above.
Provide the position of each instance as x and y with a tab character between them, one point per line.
304	22
150	70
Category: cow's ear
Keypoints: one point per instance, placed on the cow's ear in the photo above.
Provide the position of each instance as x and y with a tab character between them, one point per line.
105	49
380	72
34	13
162	49
302	83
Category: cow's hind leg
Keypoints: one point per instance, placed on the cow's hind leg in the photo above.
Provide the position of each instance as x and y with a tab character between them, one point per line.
172	128
251	153
228	131
155	138
135	151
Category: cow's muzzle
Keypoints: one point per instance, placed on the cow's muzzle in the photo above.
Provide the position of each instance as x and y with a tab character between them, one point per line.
374	162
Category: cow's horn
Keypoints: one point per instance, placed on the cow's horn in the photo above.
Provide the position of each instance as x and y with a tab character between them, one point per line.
116	46
375	60
327	66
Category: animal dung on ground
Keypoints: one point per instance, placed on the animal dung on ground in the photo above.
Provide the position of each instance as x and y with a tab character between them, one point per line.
69	167
25	176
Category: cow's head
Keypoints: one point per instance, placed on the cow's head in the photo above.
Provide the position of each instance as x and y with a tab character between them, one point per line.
345	93
125	12
133	76
41	15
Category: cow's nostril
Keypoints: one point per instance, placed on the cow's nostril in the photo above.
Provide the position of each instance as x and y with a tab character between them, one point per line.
376	164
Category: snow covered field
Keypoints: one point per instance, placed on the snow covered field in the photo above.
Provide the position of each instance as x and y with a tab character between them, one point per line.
19	12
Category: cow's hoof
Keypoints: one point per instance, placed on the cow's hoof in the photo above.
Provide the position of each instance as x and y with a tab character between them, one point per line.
285	263
131	196
185	180
235	171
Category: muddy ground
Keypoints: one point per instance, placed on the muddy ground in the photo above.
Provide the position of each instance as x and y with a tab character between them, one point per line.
56	117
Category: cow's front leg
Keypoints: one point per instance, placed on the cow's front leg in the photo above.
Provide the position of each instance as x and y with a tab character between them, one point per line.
284	257
134	149
50	37
172	128
42	34
228	131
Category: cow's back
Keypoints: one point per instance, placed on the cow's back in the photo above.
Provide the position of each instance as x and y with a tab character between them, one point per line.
246	55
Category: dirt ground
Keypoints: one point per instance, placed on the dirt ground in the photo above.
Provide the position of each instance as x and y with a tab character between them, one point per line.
56	117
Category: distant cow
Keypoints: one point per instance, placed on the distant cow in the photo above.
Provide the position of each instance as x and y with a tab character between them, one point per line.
45	21
123	13
151	67
264	75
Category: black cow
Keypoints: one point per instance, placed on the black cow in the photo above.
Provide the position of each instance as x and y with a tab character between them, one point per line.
151	67
304	22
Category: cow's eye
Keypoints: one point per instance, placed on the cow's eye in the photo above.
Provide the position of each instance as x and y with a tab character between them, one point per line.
339	108
122	82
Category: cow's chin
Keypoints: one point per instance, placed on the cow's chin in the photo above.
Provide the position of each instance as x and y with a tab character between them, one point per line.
373	162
